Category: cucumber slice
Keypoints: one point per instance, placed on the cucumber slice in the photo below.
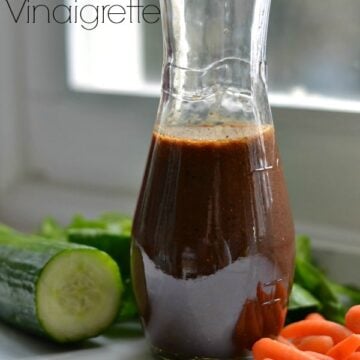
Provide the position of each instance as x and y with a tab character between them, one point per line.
66	292
78	294
110	233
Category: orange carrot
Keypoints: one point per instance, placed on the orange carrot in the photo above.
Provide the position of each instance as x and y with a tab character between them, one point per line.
354	356
316	327
345	348
318	355
352	319
249	327
284	341
268	348
314	316
317	343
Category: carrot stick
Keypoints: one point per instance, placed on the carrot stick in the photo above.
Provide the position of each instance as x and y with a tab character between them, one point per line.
272	308
317	343
249	327
352	319
354	356
345	348
319	356
284	341
268	348
314	316
316	327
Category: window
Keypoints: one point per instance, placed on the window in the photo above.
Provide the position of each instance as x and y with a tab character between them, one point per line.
124	58
313	52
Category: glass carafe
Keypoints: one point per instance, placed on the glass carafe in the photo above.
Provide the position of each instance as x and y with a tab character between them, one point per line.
213	237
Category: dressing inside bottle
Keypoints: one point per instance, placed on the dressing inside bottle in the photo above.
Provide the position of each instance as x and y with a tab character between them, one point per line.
213	237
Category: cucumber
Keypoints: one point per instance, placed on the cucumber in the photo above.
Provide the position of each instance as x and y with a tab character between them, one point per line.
116	245
66	292
110	233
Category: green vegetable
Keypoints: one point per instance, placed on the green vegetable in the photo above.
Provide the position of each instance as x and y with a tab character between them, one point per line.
333	299
303	248
301	298
63	291
111	233
348	296
51	229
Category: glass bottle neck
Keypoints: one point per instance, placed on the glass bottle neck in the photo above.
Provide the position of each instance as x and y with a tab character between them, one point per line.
214	60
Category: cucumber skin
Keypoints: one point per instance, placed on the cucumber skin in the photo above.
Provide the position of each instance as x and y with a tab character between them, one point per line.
22	259
118	247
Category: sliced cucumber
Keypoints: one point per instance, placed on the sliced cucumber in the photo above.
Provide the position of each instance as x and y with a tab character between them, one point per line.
110	233
64	291
78	294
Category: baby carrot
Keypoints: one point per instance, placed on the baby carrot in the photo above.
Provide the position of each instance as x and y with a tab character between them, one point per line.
249	327
319	356
318	343
268	348
284	341
345	348
316	327
354	356
352	319
314	316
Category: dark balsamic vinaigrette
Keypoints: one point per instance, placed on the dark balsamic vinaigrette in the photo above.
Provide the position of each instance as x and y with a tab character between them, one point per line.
213	241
